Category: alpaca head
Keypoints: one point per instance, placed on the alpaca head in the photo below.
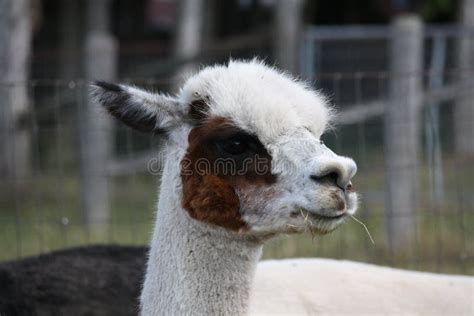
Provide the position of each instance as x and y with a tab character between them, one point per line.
252	160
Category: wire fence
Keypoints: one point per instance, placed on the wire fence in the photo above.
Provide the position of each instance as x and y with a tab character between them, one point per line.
42	189
42	210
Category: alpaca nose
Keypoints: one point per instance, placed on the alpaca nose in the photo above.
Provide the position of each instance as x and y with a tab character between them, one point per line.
338	172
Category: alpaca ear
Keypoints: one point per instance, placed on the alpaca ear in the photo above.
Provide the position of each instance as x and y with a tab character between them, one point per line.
141	110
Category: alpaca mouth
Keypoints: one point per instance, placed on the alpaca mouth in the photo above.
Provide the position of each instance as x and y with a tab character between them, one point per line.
316	223
310	216
323	224
327	217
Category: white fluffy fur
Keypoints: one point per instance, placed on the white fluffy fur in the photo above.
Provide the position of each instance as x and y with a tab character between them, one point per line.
334	287
198	269
259	99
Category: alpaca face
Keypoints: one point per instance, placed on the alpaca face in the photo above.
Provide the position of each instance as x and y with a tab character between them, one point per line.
252	161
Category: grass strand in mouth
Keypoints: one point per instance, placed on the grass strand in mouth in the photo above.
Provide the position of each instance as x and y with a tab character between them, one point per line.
306	217
365	227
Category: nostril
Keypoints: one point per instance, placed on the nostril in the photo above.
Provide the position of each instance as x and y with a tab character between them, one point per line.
330	178
336	171
349	187
333	176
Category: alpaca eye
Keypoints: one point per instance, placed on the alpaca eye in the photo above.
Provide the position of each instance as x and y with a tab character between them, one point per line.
234	146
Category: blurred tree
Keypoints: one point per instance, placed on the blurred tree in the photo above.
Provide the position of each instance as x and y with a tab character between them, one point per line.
70	40
439	10
15	43
188	41
376	11
100	62
464	110
288	20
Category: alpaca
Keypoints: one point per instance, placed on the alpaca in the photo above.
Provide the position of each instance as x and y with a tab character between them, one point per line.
91	280
106	280
244	162
339	287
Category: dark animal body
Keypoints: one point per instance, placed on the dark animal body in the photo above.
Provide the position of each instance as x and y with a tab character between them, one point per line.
93	280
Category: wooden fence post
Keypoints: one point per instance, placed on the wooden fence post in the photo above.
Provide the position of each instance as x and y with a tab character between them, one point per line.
15	43
288	20
464	109
100	62
402	130
189	36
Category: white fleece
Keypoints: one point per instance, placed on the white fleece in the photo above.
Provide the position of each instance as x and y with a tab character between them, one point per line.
335	287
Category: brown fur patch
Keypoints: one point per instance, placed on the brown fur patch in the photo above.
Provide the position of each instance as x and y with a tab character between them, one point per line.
210	195
212	200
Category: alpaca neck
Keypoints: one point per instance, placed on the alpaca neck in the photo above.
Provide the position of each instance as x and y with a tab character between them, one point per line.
194	268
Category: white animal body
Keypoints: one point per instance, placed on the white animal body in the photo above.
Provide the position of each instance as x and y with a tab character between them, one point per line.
337	287
244	161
